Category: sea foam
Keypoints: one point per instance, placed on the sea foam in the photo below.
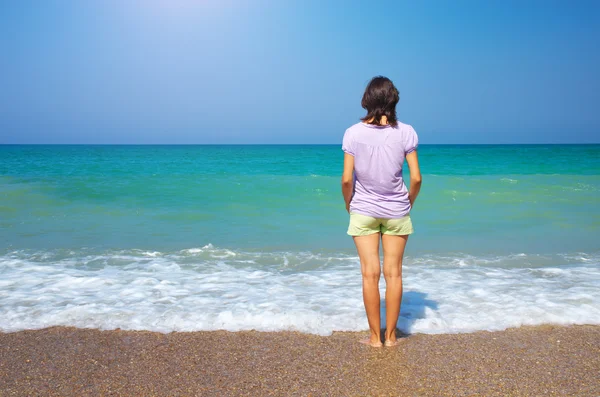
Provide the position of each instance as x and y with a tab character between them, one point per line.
209	288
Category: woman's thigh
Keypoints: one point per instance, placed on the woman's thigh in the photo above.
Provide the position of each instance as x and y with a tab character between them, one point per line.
368	252
393	251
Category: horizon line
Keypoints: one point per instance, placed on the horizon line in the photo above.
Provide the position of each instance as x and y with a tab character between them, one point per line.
287	144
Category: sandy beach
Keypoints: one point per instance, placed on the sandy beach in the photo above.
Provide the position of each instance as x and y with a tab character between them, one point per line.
66	361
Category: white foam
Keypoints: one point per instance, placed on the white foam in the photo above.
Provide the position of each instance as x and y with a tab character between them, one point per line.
210	288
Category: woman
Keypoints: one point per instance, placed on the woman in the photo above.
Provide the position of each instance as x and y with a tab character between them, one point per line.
378	200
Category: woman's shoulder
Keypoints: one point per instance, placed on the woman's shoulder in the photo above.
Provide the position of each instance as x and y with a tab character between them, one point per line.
404	127
356	126
353	131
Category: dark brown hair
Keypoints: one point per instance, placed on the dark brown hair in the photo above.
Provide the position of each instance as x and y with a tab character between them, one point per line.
380	99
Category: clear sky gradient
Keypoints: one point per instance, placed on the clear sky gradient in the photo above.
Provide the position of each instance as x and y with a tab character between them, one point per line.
233	71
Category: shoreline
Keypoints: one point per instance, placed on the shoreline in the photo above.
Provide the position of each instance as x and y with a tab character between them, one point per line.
530	360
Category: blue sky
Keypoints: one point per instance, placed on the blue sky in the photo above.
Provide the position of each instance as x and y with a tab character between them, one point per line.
233	71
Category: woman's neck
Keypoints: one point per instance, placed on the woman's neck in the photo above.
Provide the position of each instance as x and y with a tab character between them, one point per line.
383	121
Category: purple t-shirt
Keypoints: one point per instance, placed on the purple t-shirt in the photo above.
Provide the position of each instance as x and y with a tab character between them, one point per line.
379	152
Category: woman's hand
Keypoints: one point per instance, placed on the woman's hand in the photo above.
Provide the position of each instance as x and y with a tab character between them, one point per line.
348	180
415	177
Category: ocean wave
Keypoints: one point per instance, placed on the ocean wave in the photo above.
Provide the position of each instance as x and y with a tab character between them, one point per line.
212	288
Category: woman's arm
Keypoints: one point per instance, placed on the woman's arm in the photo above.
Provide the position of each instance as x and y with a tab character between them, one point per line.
348	179
415	176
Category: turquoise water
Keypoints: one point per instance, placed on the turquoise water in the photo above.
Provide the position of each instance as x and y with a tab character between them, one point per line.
261	229
474	198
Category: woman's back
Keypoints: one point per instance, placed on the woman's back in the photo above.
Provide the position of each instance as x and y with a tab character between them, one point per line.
379	153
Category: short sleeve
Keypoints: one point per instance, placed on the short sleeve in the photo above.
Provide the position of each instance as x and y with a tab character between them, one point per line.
412	141
348	143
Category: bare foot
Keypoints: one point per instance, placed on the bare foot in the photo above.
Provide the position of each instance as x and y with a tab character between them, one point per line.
368	342
391	343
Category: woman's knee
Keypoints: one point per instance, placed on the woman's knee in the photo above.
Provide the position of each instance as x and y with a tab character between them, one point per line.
371	272
394	272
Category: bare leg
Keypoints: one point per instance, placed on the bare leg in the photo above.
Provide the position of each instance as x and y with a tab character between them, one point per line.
393	251
368	251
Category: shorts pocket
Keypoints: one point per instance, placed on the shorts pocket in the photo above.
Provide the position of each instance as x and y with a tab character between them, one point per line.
398	226
363	225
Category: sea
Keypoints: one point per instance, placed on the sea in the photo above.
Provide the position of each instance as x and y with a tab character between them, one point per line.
253	237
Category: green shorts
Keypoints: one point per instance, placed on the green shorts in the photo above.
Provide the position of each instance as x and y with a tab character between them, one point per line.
362	225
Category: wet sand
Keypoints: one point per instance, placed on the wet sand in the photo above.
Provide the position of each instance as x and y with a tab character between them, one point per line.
527	361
